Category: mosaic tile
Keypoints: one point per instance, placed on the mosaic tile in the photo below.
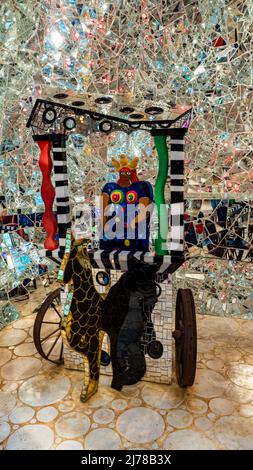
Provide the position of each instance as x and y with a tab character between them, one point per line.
162	396
140	425
31	437
235	432
221	406
179	419
203	423
103	416
12	337
21	414
43	390
70	445
242	375
119	404
188	440
25	349
102	439
4	430
21	368
72	425
7	403
47	414
209	384
5	356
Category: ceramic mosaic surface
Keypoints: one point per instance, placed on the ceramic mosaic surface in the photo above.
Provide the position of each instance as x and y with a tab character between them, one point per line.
40	407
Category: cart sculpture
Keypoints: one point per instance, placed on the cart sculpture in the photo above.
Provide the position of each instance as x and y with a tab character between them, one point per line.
125	313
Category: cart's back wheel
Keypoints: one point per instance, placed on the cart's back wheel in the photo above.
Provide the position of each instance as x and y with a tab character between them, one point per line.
185	338
47	329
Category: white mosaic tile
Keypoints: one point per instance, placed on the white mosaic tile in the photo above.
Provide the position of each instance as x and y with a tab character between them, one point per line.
72	425
140	425
21	414
31	437
43	390
103	415
47	414
102	439
21	368
235	433
4	430
69	445
187	439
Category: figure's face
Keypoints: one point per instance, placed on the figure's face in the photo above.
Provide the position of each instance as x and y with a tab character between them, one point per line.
125	175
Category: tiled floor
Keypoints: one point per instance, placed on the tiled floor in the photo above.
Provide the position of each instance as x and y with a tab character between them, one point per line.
40	407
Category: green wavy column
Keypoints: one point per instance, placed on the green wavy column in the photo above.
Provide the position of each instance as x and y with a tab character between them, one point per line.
162	151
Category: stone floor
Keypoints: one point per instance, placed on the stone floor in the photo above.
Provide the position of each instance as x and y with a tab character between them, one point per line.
40	407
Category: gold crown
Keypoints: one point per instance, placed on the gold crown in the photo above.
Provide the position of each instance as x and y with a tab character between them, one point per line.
124	162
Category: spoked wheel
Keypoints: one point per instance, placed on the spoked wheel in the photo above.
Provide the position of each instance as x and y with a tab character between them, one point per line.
185	337
47	329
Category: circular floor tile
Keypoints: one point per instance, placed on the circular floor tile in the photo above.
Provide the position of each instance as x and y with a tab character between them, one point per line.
103	397
215	364
221	406
102	439
179	419
140	425
246	410
7	403
25	349
72	425
5	356
66	406
12	337
188	440
21	368
203	423
163	396
235	433
70	445
242	375
238	394
44	390
119	404
47	414
24	323
103	416
21	414
209	384
196	406
31	437
4	430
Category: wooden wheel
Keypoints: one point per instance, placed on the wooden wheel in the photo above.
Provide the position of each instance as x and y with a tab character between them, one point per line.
47	329
185	337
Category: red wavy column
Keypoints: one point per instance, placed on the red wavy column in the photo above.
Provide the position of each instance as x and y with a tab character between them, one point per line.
49	221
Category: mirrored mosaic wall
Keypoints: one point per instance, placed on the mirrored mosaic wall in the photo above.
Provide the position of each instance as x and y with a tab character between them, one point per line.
187	53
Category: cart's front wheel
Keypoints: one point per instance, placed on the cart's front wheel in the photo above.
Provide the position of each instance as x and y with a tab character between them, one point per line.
47	329
185	336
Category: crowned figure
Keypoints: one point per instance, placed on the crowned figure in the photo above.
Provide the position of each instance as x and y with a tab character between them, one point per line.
127	206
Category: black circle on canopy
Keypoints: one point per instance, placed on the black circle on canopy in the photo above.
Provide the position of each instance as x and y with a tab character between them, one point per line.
105	126
49	115
136	116
69	123
78	103
164	124
61	96
153	110
103	100
126	109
